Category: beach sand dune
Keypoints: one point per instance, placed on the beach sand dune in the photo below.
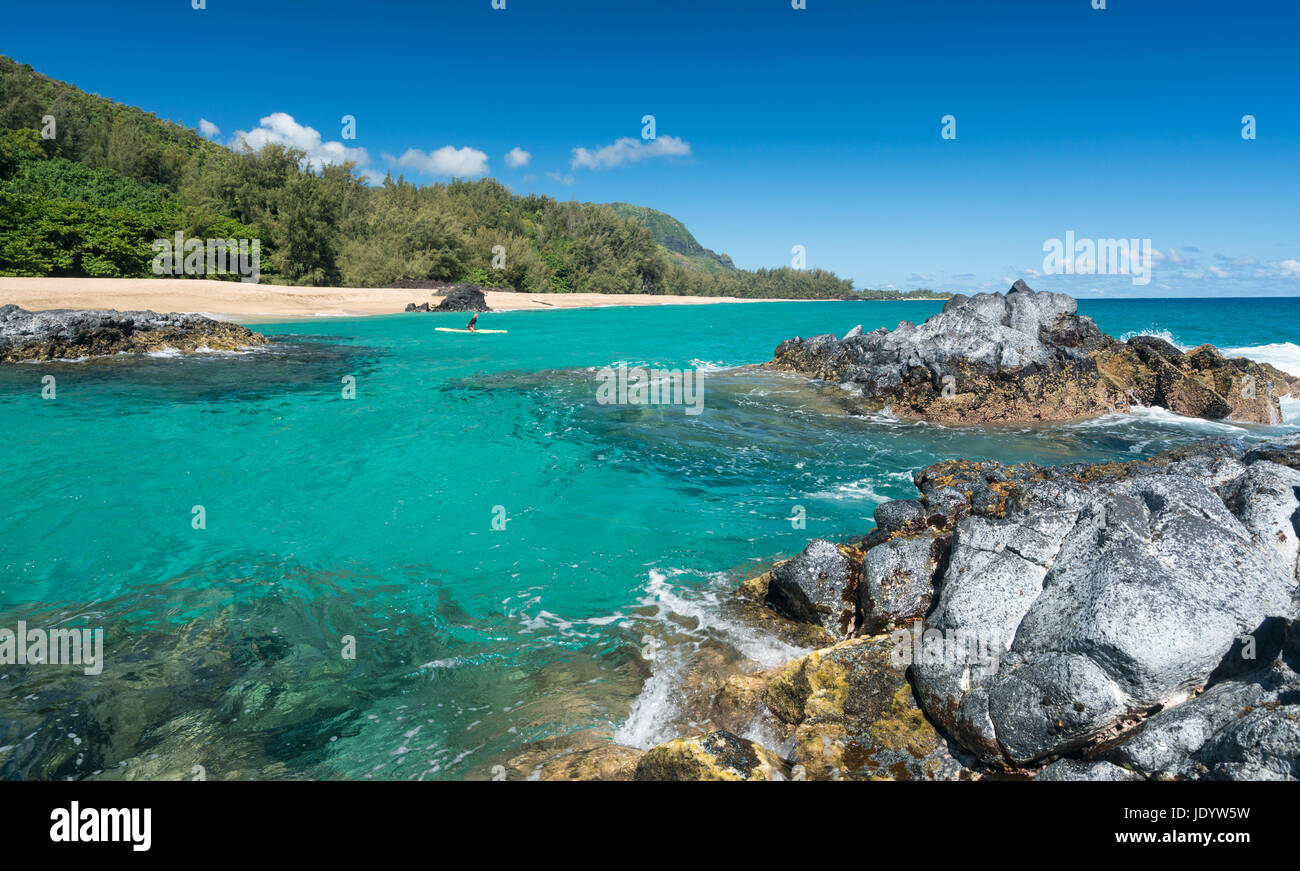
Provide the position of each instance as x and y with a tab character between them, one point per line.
236	301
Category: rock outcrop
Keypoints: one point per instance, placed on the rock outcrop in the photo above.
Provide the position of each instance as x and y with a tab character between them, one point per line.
855	718
455	297
716	756
818	586
1029	356
463	298
1108	621
65	334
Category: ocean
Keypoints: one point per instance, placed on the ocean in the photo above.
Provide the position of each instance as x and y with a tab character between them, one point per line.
472	552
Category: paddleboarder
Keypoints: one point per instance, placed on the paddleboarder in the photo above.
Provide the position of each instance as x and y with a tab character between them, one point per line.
472	322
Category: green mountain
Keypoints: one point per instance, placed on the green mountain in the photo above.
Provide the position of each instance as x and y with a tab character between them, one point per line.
90	195
672	236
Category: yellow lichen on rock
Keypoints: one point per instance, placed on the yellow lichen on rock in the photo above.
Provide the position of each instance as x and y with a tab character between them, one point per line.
713	757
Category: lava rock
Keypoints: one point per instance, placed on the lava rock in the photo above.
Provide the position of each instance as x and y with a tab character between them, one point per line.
61	334
717	756
855	717
1029	356
464	298
818	586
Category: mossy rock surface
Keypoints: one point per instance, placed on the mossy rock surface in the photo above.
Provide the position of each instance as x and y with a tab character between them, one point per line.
716	756
855	717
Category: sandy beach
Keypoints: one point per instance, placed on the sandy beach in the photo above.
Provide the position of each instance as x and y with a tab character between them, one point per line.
236	301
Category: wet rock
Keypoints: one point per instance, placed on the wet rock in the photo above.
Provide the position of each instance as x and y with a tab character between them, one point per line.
716	756
584	755
64	334
610	762
738	705
855	717
1282	453
752	607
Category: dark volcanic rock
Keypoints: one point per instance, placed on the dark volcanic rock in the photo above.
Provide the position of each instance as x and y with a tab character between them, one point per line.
898	580
1105	595
1029	356
1070	769
1109	621
59	334
818	586
716	756
463	298
1247	728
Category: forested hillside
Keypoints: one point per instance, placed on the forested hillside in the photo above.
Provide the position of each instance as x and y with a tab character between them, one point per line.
91	200
672	235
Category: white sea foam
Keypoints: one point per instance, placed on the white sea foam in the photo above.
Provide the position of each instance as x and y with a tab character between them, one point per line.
853	491
710	367
1158	334
697	615
1283	355
1158	415
1290	409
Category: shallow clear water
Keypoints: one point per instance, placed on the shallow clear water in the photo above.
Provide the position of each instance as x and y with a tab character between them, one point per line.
373	518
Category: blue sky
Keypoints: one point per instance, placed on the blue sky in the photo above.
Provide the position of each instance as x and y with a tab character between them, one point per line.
775	127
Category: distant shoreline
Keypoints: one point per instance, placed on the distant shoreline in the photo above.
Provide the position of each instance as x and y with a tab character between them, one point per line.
259	303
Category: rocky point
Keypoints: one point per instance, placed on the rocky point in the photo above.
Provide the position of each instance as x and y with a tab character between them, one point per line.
65	334
1028	356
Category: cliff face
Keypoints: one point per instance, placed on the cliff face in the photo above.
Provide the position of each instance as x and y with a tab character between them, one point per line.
62	335
1028	356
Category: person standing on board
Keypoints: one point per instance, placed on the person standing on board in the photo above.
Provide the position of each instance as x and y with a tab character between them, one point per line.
472	322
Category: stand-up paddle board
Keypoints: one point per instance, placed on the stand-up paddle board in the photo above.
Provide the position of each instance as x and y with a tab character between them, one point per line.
450	330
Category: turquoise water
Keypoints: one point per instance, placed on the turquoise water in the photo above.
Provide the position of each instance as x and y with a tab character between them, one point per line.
373	518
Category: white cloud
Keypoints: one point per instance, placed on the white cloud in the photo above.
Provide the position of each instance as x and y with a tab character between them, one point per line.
207	128
517	157
560	177
279	128
628	150
1290	267
462	162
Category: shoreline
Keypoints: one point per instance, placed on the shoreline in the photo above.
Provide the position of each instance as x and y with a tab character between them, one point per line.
864	639
265	303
